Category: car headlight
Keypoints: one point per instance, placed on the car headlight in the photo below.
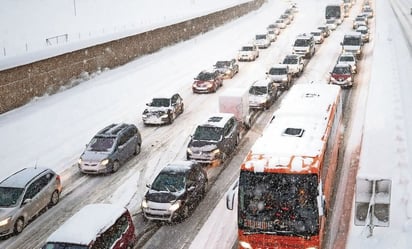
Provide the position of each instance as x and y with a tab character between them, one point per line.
5	221
350	79
215	151
245	245
209	84
79	161
105	161
358	51
164	115
144	203
284	79
189	151
175	206
144	116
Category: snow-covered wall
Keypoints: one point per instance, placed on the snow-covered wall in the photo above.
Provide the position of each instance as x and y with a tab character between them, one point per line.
69	65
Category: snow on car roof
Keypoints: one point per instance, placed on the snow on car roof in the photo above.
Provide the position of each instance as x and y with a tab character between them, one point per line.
85	225
298	127
218	119
22	177
262	82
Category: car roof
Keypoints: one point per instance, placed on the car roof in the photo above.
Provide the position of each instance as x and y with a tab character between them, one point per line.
179	166
218	119
279	66
347	54
112	130
82	229
342	65
262	82
22	177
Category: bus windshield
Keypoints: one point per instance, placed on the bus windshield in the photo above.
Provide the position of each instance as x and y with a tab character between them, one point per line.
283	204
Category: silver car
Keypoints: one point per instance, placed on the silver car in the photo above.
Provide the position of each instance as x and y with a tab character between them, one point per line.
110	148
24	194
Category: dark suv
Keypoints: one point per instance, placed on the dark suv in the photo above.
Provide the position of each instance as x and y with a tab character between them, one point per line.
110	148
214	140
175	192
24	195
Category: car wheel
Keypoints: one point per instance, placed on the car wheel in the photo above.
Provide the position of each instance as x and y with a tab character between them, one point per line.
54	199
171	118
19	225
182	109
115	166
184	213
137	150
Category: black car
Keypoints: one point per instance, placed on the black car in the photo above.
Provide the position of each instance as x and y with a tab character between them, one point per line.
163	110
214	140
175	192
109	148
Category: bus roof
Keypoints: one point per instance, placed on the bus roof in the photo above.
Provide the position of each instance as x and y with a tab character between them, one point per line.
297	133
85	225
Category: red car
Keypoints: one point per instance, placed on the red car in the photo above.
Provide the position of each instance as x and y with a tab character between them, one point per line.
342	75
207	82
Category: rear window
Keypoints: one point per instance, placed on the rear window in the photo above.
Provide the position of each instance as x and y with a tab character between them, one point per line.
112	235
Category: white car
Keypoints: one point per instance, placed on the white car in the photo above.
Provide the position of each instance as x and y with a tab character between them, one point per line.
248	53
281	23
262	40
331	24
318	37
273	27
348	58
272	35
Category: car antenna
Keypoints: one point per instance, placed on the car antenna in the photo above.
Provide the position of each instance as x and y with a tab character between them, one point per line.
35	164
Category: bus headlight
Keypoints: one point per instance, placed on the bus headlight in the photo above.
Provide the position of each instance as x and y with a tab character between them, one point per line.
245	245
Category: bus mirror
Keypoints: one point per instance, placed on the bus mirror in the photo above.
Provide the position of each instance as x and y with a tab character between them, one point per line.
372	202
230	196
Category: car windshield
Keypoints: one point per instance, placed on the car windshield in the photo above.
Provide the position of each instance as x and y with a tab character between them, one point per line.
258	90
52	245
315	33
290	60
341	70
205	76
160	102
280	21
247	48
221	64
9	197
169	181
301	43
347	59
330	21
352	41
278	71
207	133
101	144
260	37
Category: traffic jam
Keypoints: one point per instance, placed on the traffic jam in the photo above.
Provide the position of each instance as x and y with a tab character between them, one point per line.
180	186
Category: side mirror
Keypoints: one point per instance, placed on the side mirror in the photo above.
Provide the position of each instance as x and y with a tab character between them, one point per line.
148	185
230	196
147	104
26	201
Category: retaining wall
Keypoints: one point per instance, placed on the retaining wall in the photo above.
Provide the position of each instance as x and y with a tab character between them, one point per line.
21	84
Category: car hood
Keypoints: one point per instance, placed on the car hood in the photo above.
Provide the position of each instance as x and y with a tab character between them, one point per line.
257	98
202	145
157	109
94	156
340	76
7	212
201	82
163	196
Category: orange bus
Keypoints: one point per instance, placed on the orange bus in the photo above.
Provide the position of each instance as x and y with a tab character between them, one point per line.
285	180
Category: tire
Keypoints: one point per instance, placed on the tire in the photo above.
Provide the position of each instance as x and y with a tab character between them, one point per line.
184	213
138	149
54	198
115	167
19	225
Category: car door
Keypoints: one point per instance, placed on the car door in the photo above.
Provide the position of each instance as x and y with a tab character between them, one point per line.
122	152
192	186
33	199
130	144
229	138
